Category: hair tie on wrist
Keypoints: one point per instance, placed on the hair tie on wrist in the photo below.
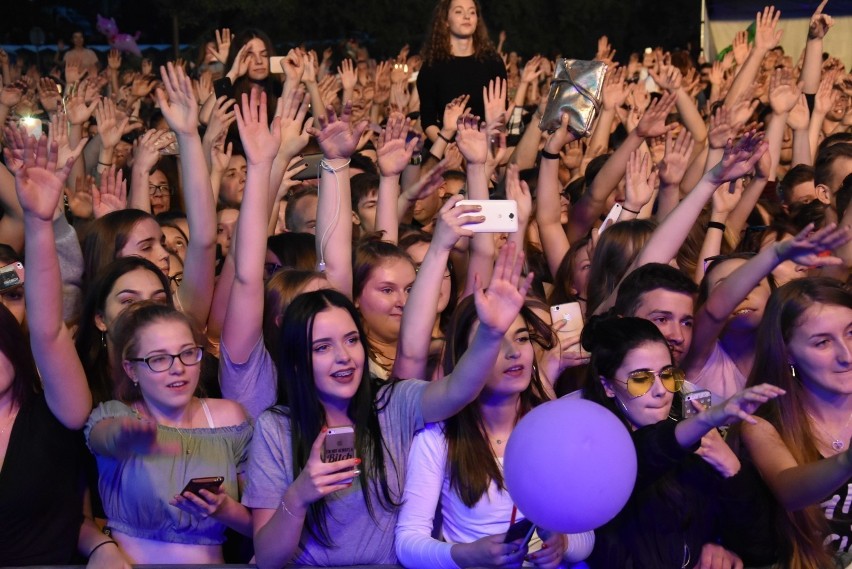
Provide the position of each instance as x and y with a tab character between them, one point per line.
101	544
549	155
444	138
630	210
715	225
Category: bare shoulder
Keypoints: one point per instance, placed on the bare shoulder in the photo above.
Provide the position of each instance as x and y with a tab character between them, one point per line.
226	413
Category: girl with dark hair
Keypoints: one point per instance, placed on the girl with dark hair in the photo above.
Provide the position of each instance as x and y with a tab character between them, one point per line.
44	399
801	443
319	513
459	463
248	69
632	374
458	59
731	302
336	513
132	232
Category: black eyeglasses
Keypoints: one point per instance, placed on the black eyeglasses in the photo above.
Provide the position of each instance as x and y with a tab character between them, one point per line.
177	279
164	362
159	190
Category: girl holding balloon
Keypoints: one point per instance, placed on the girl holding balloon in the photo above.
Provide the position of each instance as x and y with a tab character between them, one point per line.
460	463
673	510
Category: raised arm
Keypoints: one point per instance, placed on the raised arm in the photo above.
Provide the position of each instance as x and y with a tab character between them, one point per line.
766	37
591	204
496	308
394	154
812	60
180	109
418	317
39	187
338	139
711	318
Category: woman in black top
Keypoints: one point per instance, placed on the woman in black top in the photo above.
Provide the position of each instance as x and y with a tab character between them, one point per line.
458	59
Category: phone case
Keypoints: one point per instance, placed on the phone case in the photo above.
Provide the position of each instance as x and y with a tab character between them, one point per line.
11	276
611	217
339	444
501	216
520	529
572	314
703	396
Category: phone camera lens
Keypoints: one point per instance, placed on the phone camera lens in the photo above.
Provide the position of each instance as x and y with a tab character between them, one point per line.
511	216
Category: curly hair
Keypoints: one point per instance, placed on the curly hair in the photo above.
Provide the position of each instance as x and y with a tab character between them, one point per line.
437	45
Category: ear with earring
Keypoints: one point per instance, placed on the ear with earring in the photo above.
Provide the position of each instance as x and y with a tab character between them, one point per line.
103	339
793	371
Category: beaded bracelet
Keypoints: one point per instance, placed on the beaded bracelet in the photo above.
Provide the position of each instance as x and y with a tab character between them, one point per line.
101	544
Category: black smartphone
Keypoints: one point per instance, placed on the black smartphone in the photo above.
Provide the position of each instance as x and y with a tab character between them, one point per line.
209	483
312	171
522	529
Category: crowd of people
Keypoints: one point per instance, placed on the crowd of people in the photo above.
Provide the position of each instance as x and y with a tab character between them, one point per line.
210	266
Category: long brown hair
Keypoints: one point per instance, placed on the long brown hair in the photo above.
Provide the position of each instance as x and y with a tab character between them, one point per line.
437	45
472	466
803	530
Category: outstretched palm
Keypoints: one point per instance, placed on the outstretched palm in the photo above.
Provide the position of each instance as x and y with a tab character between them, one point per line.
499	305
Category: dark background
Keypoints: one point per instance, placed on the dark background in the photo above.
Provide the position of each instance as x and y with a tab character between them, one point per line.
569	28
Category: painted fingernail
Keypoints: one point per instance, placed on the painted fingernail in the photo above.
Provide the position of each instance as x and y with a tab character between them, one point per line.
357	461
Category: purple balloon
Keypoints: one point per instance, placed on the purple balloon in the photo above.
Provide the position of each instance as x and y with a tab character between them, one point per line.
570	465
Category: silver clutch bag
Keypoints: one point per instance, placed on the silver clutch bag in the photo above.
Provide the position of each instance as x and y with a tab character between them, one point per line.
576	90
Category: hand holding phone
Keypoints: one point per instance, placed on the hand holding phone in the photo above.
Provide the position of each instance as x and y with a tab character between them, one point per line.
702	396
501	216
209	483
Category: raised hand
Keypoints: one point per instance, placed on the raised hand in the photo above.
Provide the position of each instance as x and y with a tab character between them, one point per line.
80	200
605	52
110	125
497	108
451	222
740	406
294	66
38	183
260	139
114	60
727	196
177	100
721	130
820	23
799	117
428	184
310	67
783	92
532	69
393	152
766	36
498	306
221	117
78	110
640	179
678	152
560	137
520	192
741	47
669	77
347	74
472	139
59	133
146	149
739	159
112	195
807	247
48	94
453	111
826	95
318	479
11	94
292	109
615	90
653	122
336	136
223	45
16	147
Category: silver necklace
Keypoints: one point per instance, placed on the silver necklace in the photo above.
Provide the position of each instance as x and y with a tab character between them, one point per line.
836	442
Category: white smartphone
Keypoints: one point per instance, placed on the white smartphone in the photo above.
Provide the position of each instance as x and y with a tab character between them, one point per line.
501	216
572	315
611	218
276	64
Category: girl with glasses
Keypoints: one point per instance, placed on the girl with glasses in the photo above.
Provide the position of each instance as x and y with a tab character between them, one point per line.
673	512
158	435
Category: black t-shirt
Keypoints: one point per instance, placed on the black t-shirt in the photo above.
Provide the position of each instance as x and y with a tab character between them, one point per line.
41	498
443	81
